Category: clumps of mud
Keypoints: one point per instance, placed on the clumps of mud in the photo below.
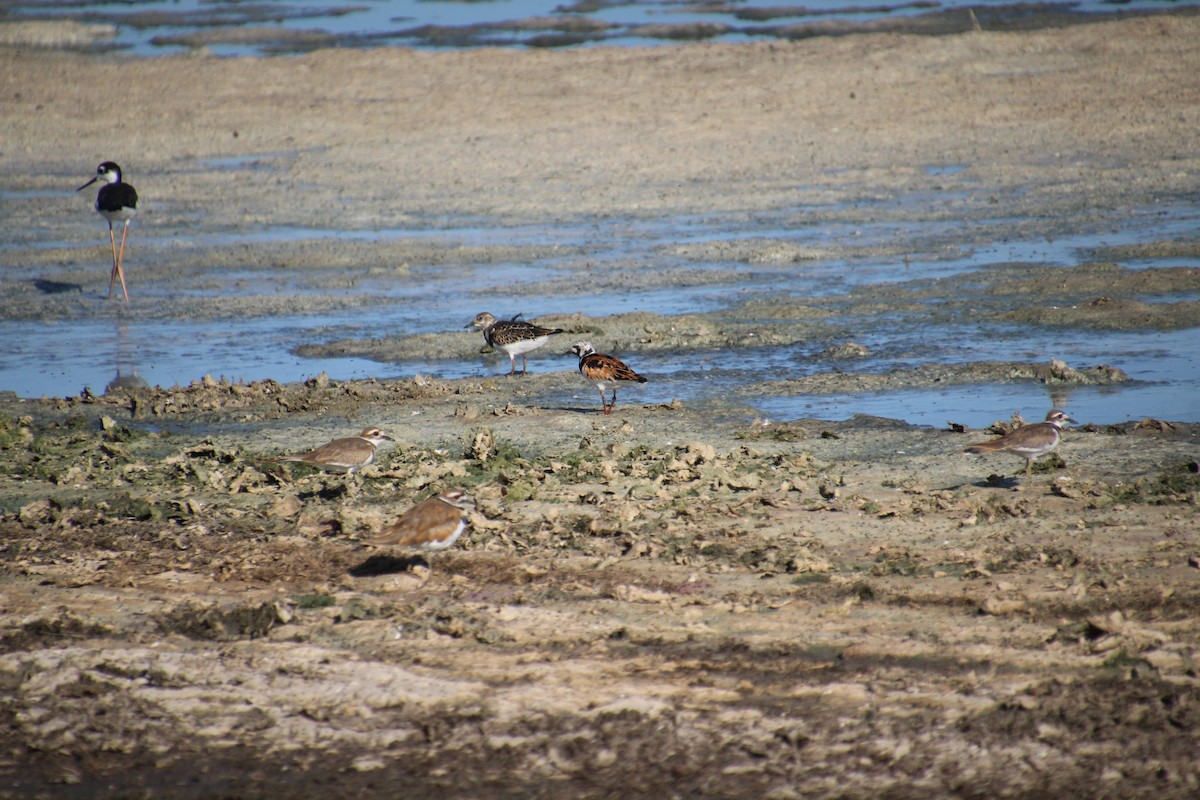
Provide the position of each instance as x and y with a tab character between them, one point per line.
845	350
1114	313
656	588
267	39
125	503
750	251
1055	373
1104	295
260	399
56	34
249	621
640	331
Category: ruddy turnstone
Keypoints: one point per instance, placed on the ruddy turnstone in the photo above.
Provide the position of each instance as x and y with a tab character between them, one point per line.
117	202
604	371
1028	441
431	525
344	455
515	337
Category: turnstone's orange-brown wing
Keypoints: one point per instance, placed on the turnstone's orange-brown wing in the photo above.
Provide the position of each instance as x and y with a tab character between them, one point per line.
601	367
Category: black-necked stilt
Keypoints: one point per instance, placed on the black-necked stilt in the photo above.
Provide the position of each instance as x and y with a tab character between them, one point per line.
116	202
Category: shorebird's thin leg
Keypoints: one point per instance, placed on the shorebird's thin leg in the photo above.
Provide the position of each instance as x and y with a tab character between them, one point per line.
121	262
112	276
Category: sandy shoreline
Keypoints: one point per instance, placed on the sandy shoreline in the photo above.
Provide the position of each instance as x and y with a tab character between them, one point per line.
382	134
664	600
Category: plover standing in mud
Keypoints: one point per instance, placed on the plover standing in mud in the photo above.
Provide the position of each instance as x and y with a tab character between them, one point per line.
514	336
604	371
116	202
344	455
1028	441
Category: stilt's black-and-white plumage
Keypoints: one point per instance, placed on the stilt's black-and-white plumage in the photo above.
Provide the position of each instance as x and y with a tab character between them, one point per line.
116	201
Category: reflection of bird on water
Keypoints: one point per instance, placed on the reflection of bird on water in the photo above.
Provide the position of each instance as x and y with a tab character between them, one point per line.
130	381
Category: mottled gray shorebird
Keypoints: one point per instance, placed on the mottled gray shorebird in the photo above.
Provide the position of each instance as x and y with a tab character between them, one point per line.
515	337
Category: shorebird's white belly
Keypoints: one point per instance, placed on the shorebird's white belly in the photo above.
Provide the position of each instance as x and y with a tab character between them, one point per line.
435	544
524	346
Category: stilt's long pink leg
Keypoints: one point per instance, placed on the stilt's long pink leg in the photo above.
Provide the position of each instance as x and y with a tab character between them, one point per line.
120	263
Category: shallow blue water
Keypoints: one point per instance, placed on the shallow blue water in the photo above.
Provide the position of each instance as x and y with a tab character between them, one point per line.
61	357
144	27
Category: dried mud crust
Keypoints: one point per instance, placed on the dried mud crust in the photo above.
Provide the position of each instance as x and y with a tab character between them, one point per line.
653	600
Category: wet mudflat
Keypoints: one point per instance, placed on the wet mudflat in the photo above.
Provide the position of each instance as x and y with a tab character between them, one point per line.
683	598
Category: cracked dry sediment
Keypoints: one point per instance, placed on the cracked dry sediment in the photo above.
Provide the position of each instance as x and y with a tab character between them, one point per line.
666	601
719	608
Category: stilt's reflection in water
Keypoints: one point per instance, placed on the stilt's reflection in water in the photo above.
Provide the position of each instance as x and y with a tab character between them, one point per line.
126	377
